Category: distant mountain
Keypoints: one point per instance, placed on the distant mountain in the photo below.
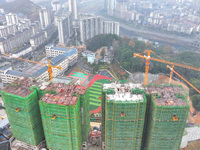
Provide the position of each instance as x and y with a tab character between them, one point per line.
22	6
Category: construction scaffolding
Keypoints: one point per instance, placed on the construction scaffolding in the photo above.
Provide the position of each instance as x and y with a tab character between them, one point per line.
125	107
21	102
167	114
62	116
85	115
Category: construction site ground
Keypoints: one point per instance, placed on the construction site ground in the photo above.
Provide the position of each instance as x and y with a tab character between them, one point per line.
193	145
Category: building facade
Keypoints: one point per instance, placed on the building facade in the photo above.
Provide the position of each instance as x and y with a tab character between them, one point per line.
37	39
45	17
64	28
91	25
11	19
72	53
125	110
73	9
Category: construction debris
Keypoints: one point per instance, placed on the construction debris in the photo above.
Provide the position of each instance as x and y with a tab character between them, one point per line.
167	95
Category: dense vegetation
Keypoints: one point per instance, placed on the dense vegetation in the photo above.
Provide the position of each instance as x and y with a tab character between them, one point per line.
125	47
101	40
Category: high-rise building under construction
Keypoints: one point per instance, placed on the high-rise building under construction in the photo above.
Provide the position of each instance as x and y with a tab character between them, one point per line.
167	113
125	109
65	116
21	103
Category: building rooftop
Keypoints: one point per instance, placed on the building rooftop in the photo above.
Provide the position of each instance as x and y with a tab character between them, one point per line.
9	36
20	87
122	86
64	94
2	39
18	73
37	35
4	68
25	29
18	32
49	27
123	92
40	71
69	52
167	95
58	59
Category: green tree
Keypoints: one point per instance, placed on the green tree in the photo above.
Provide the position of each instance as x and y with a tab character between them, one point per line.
167	49
196	102
103	53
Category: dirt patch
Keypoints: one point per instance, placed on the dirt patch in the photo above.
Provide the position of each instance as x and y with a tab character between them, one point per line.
193	145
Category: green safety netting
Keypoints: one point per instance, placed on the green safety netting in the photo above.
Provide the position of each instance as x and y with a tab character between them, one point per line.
85	115
64	132
124	132
162	132
24	117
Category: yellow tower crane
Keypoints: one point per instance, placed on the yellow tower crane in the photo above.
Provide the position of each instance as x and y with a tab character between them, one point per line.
48	65
148	58
173	71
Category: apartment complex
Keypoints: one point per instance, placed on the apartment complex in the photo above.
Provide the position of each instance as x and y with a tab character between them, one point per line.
71	53
136	118
45	17
59	57
123	116
91	25
64	28
73	9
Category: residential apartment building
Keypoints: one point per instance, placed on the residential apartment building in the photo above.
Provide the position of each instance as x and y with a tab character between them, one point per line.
73	9
71	53
110	27
91	25
37	39
61	57
8	75
45	17
110	6
7	29
11	19
56	5
64	28
13	41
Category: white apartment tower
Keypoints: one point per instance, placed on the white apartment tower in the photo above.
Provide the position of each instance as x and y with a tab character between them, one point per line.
64	28
73	8
45	17
11	19
91	25
56	5
110	6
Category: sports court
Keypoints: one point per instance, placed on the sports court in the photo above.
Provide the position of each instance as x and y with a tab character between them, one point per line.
79	75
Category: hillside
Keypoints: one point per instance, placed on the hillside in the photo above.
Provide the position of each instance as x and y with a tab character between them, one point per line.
22	6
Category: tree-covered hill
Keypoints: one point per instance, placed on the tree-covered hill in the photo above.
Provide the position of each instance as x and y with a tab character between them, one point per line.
22	6
125	47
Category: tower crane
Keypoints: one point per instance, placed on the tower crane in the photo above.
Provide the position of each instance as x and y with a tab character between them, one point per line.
173	71
148	58
48	65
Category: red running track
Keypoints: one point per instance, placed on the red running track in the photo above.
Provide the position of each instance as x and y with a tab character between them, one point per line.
97	77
